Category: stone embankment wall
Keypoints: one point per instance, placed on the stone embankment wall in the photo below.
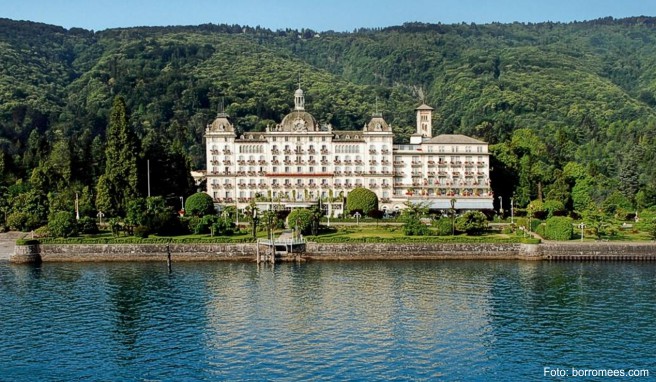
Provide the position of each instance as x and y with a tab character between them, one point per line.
336	251
384	251
598	251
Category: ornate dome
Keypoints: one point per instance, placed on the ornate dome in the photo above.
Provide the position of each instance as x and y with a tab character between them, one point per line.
298	121
377	124
221	124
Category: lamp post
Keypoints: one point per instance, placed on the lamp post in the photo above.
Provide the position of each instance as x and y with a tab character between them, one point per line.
501	206
453	216
254	222
77	207
582	227
512	211
182	203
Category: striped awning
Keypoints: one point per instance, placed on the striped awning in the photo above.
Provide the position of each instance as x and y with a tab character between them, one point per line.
461	204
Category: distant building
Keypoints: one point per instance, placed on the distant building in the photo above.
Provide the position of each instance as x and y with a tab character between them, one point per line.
297	162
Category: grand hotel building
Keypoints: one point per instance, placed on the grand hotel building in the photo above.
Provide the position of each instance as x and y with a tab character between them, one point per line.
297	162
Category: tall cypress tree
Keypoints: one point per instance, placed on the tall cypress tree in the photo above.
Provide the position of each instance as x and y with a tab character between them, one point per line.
119	183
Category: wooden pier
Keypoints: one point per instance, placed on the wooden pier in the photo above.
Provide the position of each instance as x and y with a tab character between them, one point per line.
285	248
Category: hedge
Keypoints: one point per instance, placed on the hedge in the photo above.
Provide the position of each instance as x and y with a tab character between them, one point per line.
558	228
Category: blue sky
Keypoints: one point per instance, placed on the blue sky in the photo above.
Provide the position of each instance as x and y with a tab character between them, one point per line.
338	15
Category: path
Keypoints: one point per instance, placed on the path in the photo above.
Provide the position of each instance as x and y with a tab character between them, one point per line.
7	241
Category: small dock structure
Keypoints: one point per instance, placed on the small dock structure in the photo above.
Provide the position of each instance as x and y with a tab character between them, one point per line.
287	247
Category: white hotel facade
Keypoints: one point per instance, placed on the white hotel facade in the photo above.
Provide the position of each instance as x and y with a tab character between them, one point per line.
299	161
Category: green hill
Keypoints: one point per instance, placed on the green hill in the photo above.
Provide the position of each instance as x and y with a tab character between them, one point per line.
585	91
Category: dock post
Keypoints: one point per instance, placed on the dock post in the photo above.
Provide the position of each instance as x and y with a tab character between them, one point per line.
257	251
168	256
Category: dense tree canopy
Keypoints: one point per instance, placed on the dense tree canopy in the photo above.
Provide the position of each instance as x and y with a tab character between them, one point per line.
546	96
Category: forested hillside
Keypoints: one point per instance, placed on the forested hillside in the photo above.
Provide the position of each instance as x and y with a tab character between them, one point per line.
569	108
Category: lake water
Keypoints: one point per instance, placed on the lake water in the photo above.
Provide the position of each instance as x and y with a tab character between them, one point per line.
399	320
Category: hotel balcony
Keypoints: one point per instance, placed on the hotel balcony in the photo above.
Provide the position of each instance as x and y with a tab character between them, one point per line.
372	151
252	162
324	162
338	173
275	151
385	185
324	151
299	152
385	200
337	161
227	186
214	152
416	164
227	162
384	151
442	164
431	163
480	164
312	151
227	152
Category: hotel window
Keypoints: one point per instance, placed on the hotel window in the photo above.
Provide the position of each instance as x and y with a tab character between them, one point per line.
479	149
440	149
311	170
324	169
299	169
468	149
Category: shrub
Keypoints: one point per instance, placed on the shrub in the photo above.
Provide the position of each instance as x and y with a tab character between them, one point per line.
558	228
414	227
41	232
199	204
361	200
301	217
22	221
87	225
554	208
472	222
141	231
62	224
443	226
536	209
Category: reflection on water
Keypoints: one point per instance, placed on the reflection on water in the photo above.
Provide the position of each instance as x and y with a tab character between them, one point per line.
414	320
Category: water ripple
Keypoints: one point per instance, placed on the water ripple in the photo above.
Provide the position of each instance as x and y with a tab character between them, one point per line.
396	321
